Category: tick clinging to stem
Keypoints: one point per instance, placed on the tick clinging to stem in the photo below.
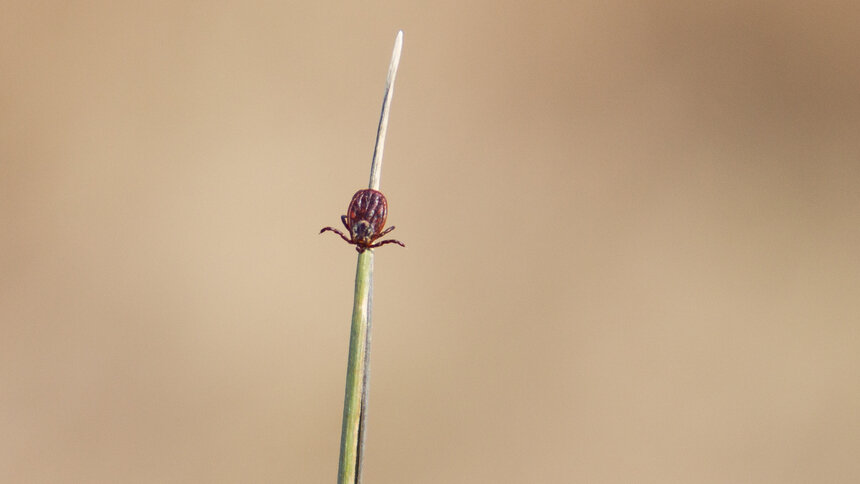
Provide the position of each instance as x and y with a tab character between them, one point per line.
365	221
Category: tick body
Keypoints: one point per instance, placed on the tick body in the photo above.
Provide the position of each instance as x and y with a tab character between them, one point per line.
365	221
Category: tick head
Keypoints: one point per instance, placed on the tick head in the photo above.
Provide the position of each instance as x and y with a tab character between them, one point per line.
362	232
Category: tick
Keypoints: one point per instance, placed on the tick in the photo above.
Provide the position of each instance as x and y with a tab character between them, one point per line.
365	221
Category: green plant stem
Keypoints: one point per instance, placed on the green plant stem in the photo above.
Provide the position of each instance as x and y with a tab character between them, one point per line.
358	366
357	372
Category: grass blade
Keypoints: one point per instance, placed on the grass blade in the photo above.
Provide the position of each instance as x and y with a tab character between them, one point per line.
358	365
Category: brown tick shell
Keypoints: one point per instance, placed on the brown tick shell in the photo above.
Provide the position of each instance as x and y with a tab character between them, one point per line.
368	205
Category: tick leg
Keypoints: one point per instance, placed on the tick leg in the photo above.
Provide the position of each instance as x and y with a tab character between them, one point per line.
338	232
343	219
382	234
390	241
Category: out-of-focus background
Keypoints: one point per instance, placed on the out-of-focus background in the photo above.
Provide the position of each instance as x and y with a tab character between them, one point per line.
632	231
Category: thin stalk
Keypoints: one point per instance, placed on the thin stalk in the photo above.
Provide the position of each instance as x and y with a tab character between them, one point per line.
358	366
356	373
376	164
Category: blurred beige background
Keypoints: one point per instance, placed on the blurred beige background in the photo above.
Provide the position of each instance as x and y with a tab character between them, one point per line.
632	237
